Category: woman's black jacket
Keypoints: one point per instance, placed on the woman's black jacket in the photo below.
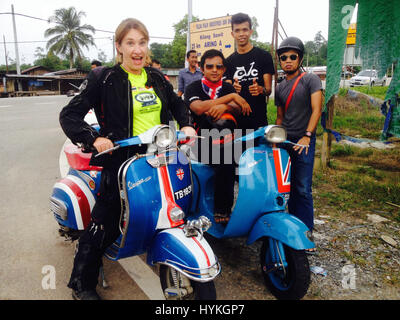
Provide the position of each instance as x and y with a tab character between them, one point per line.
108	91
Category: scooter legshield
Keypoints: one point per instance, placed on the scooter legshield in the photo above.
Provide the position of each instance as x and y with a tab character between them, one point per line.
73	198
148	191
192	256
284	227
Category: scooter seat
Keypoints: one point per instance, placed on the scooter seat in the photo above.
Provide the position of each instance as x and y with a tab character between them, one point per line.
79	160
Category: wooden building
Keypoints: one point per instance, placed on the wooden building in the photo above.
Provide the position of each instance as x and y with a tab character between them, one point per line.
39	80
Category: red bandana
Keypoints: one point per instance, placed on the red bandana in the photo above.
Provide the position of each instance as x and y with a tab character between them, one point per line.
212	89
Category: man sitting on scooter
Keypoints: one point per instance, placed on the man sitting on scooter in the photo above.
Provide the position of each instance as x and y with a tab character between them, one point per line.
213	104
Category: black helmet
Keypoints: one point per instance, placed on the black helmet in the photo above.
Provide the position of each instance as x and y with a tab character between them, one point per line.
227	121
291	43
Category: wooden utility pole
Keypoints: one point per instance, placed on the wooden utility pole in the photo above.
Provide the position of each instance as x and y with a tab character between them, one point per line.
188	39
327	136
274	42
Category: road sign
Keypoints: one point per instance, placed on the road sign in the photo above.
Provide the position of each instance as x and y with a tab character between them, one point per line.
351	34
212	34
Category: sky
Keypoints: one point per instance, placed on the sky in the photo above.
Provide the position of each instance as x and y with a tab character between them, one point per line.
299	18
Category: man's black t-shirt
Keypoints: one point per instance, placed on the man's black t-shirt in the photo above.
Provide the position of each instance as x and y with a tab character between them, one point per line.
246	67
194	91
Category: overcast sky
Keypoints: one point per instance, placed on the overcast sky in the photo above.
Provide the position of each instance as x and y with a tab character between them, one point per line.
299	18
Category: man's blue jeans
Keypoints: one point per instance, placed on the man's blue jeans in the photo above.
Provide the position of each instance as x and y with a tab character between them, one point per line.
301	201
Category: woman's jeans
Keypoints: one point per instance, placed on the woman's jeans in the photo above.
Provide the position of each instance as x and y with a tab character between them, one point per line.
301	201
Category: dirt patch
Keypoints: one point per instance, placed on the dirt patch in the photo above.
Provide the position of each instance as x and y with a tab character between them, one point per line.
359	263
357	228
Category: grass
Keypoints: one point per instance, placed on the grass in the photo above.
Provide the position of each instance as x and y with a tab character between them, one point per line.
362	179
377	92
271	111
357	118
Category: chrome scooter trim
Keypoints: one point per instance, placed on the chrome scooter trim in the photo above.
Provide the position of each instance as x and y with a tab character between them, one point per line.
125	213
124	200
190	272
58	207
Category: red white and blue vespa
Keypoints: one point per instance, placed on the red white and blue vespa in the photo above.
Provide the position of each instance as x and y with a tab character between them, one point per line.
156	191
260	211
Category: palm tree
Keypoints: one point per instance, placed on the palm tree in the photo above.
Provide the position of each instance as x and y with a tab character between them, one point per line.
69	36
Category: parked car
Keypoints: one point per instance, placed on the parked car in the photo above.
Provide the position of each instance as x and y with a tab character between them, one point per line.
346	75
366	78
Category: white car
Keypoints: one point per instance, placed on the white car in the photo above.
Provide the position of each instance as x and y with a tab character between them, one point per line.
366	78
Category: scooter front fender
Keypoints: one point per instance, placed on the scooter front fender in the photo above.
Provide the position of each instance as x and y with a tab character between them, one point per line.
283	227
192	256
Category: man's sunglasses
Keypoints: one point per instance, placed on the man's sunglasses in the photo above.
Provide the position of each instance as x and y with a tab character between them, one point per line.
211	66
292	57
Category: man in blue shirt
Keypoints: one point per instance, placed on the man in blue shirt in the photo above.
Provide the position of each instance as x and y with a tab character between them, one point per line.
190	74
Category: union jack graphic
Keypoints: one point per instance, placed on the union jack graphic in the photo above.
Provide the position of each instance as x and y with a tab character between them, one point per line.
282	173
180	173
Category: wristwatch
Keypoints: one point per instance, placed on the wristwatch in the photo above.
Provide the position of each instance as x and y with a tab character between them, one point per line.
264	91
308	134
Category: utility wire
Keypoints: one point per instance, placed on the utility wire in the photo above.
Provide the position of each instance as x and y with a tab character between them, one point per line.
43	41
49	21
24	15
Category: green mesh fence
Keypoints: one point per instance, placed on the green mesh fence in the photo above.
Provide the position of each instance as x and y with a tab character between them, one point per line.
377	43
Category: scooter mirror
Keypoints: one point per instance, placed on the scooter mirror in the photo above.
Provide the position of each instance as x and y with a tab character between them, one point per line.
275	134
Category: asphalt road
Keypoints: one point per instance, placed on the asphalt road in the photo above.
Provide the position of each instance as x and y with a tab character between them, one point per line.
35	261
33	255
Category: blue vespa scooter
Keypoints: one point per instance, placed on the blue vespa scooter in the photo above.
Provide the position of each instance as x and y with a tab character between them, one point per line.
156	191
260	212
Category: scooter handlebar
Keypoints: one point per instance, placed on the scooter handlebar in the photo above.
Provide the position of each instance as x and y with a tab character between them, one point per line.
181	136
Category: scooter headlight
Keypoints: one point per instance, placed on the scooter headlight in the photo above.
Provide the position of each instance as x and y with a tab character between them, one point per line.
164	137
275	134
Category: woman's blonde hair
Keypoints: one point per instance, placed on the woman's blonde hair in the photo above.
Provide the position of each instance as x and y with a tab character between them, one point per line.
124	28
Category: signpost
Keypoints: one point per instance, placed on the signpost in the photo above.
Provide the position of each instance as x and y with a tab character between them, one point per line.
212	34
351	34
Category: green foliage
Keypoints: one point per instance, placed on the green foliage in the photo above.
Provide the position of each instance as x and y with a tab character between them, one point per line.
377	92
370	189
271	111
263	45
316	51
357	118
342	150
68	37
342	92
173	55
51	61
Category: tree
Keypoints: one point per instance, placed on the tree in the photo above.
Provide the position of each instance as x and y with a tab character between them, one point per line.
254	26
69	36
178	46
316	51
173	55
49	60
102	56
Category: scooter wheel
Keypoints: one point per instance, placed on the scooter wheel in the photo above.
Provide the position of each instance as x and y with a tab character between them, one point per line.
187	289
290	283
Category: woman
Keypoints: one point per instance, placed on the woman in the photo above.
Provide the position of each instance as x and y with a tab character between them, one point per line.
111	92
